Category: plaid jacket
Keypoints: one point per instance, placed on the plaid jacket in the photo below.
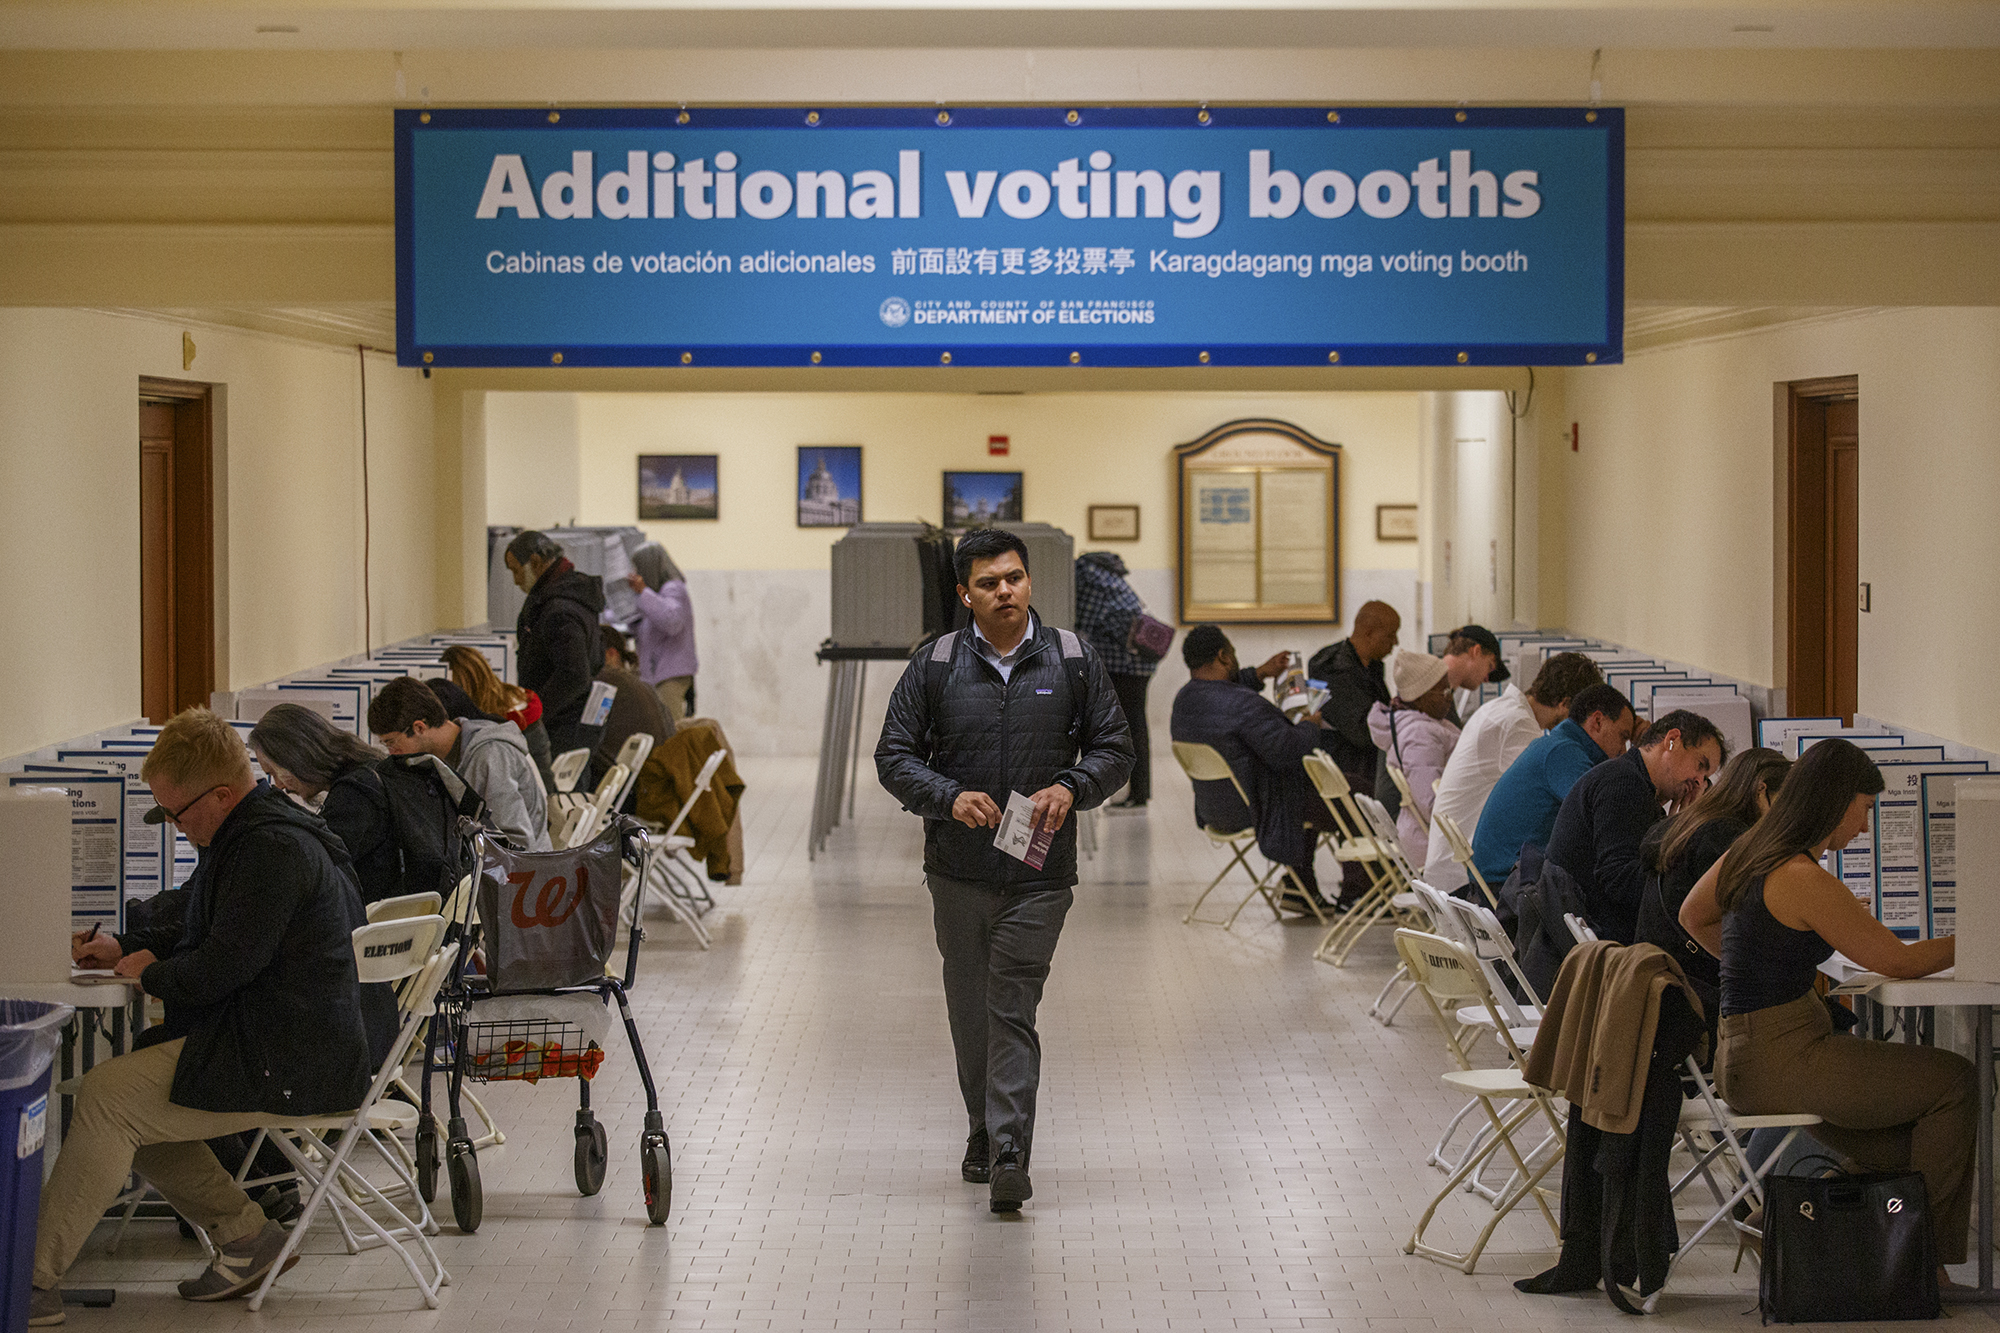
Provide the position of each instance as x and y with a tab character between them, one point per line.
1105	609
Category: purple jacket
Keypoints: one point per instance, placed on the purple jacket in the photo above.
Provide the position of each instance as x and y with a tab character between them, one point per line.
1420	745
665	630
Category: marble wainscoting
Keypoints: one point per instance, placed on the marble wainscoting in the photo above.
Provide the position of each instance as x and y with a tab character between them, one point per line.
756	630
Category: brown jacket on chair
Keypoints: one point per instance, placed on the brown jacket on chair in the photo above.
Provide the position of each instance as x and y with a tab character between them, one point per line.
667	778
1595	1042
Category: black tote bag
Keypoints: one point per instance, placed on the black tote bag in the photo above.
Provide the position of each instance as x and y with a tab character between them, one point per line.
1848	1248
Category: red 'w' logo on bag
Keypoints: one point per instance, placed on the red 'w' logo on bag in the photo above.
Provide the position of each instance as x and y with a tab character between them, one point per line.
550	908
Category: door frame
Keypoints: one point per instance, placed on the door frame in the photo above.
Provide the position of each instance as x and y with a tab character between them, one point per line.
1800	609
195	581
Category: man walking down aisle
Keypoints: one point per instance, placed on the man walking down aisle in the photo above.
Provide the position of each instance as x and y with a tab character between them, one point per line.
1006	707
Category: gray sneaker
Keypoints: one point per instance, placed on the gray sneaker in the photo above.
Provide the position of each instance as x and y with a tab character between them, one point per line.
45	1308
239	1266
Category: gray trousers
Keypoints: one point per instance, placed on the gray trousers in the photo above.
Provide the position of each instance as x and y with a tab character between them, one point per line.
997	945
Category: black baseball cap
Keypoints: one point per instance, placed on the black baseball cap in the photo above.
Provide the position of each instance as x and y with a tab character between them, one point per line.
1483	636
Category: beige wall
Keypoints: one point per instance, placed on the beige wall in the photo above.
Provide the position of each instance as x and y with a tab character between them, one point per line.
1671	502
534	470
289	512
1075	450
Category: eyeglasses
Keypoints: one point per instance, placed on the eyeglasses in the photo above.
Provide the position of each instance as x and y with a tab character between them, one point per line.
174	816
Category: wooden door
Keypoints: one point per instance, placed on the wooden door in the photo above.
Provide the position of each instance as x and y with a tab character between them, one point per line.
1823	556
176	547
156	561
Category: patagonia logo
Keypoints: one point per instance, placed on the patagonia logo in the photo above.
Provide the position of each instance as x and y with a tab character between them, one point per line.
1044	691
388	950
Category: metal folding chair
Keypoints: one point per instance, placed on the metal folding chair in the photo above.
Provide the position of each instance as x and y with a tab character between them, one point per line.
1449	977
668	876
1204	763
568	768
1461	852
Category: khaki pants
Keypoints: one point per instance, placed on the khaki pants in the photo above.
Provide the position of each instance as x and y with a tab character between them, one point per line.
123	1121
673	693
1888	1106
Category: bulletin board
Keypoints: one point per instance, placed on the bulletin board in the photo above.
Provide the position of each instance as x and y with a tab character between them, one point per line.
1259	525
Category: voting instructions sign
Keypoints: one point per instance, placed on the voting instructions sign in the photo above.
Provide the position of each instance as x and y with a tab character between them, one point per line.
1019	236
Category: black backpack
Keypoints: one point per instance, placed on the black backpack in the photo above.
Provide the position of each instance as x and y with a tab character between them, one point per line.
425	799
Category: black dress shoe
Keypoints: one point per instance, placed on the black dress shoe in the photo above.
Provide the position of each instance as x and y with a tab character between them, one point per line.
975	1168
1011	1188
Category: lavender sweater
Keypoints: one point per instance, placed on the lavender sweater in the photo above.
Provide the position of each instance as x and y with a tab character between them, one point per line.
666	633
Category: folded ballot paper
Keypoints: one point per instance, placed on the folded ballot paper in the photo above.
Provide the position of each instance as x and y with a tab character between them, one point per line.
1018	836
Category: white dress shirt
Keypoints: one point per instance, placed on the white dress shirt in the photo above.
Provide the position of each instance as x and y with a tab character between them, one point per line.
1493	739
1004	663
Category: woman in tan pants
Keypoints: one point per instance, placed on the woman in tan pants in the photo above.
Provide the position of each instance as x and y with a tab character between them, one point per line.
1772	915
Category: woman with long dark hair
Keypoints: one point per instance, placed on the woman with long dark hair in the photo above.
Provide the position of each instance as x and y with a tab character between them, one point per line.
1773	915
1677	852
333	771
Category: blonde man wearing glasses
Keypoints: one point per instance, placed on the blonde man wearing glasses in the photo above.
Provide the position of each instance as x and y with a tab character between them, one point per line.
263	1017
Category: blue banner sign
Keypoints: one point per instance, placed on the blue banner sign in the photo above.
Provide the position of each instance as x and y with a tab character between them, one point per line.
1026	236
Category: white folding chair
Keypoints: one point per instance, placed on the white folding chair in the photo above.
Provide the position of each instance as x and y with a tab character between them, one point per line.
322	1149
669	877
454	908
1204	763
1461	852
1352	840
632	756
1709	1130
568	768
1402	783
1449	977
1388	896
401	909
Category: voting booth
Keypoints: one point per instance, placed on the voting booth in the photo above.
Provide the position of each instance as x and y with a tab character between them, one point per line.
1977	818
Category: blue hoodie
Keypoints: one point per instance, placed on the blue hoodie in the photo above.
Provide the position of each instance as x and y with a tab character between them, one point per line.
1523	806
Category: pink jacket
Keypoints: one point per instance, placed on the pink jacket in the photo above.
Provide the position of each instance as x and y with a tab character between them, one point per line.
1419	745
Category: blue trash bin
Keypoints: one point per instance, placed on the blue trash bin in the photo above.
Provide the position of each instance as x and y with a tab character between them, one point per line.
30	1031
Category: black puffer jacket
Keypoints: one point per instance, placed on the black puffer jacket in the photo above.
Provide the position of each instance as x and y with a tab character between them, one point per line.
263	984
1023	735
561	651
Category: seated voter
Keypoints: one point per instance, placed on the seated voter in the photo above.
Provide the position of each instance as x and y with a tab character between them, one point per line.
1493	739
1264	750
636	707
1608	812
1773	916
1413	735
492	757
1522	808
263	1018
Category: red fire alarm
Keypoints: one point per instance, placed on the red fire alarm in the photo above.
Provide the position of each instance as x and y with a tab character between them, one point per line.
996	444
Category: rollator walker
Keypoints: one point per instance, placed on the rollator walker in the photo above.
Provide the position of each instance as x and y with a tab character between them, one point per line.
545	925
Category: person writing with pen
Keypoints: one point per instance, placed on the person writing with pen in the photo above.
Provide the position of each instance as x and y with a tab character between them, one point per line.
1772	915
263	1017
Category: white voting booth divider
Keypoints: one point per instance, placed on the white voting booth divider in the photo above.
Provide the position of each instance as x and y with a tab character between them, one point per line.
35	885
1977	837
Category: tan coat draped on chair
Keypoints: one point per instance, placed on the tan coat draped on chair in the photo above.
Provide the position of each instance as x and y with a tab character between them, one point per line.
1595	1042
668	777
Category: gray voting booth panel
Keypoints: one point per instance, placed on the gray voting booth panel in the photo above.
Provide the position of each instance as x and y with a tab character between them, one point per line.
878	591
878	586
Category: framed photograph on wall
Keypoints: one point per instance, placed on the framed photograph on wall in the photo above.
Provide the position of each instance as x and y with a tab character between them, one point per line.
977	499
678	486
829	485
1114	523
1395	523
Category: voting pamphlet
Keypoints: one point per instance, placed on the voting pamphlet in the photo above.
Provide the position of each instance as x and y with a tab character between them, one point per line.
598	706
1018	836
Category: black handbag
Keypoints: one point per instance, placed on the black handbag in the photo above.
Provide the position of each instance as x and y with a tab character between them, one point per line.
1848	1248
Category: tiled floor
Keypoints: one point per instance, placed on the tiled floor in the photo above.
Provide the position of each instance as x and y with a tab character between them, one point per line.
1226	1141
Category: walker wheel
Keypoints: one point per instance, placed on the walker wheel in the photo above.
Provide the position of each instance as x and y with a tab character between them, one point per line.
467	1204
592	1150
656	1163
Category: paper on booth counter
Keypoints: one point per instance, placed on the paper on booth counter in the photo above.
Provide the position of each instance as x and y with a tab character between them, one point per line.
1018	836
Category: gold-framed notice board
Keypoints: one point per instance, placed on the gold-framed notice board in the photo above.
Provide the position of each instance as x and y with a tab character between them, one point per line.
1259	525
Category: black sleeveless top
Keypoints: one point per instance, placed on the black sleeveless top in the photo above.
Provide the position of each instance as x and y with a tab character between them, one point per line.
1764	961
